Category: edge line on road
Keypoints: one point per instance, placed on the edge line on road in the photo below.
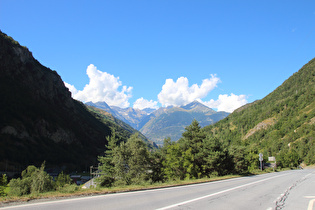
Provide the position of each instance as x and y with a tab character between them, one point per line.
217	193
117	194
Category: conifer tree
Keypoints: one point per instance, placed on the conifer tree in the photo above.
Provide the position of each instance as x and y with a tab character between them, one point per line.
107	166
192	141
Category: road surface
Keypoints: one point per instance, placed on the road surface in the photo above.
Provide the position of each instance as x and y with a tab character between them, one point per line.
282	190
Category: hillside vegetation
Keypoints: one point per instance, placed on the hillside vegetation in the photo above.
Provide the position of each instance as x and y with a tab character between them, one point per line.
281	125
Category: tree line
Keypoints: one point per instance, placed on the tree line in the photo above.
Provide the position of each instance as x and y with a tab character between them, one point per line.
196	155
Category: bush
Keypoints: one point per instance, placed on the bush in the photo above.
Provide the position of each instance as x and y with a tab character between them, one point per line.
3	185
33	180
69	188
41	182
20	187
62	180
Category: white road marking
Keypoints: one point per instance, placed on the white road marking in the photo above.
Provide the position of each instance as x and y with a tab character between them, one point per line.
217	193
311	203
112	194
118	194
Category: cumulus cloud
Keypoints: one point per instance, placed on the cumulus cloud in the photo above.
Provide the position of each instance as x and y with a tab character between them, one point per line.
227	103
142	103
102	87
179	93
71	88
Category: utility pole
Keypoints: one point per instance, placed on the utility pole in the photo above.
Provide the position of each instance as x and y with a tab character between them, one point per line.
273	159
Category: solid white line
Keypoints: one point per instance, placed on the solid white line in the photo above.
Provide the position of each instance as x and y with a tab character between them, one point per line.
311	204
217	193
111	194
115	194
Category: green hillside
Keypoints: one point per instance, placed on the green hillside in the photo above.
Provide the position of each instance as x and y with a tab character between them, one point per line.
282	124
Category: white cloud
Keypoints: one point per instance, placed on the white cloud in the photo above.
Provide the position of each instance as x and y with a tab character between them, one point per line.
108	88
71	88
142	103
179	93
227	103
102	87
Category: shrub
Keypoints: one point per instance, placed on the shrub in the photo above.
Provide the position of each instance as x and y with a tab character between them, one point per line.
62	180
33	180
20	187
69	188
3	185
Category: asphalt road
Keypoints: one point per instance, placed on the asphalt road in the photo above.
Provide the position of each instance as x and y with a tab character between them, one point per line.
282	190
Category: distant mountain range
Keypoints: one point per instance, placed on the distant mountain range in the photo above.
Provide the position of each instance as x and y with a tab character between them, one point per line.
164	122
123	127
133	117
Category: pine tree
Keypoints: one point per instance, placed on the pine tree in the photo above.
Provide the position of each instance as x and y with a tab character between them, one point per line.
107	167
193	140
138	161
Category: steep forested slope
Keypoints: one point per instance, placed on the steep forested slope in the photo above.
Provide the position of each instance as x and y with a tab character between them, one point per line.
38	118
281	124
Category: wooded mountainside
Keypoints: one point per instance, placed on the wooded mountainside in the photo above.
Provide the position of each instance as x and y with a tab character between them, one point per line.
38	118
282	124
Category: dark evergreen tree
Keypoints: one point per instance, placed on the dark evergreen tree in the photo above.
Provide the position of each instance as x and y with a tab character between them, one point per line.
192	144
107	166
217	160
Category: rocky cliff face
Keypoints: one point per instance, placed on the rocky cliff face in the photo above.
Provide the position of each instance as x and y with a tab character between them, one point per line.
38	118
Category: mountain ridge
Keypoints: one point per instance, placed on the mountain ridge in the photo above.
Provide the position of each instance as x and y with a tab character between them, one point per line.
39	120
171	122
131	116
166	121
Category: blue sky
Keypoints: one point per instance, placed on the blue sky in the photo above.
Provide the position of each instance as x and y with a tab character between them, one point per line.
167	52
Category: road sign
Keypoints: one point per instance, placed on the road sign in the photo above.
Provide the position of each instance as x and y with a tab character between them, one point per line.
271	159
261	157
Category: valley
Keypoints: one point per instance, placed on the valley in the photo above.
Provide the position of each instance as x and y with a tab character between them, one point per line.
165	122
40	123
